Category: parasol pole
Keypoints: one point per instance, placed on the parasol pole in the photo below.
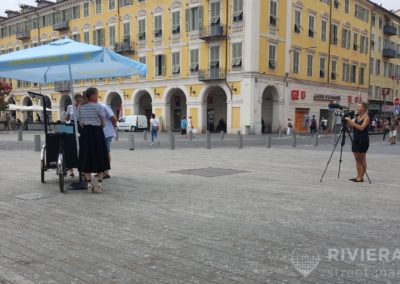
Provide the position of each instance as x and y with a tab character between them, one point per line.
75	110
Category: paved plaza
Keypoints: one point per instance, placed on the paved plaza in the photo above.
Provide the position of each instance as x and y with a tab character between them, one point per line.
193	215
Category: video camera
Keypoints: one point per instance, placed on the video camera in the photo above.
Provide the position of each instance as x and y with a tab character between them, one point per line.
346	110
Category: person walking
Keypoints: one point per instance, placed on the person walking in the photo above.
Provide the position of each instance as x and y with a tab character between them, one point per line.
109	132
386	128
93	154
183	126
155	127
190	128
289	127
393	131
360	144
7	123
313	125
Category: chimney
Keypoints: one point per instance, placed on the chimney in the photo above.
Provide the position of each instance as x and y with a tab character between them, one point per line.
43	3
26	8
11	13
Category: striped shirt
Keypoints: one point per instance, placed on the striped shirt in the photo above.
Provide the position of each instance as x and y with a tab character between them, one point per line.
91	114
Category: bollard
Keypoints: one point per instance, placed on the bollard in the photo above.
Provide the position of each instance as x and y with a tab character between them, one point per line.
334	138
131	141
190	134
294	137
171	141
36	143
315	140
20	134
240	140
145	135
116	134
269	140
208	140
222	135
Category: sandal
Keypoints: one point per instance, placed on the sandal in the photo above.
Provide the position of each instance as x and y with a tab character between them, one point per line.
89	187
99	187
106	176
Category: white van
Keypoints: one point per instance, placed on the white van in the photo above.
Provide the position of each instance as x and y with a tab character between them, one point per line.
132	123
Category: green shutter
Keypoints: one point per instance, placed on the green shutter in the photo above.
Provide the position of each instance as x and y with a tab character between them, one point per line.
188	19
157	64
163	61
201	16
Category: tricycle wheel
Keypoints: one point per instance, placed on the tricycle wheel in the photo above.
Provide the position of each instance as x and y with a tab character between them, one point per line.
42	171
61	171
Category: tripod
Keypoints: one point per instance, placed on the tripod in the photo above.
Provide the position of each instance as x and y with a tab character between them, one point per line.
342	136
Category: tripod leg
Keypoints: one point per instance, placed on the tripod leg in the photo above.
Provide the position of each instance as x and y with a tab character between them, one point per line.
343	133
330	158
351	139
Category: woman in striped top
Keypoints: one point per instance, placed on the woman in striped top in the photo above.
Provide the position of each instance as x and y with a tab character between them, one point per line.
93	153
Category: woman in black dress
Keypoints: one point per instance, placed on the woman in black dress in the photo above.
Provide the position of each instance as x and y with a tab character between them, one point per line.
360	140
93	154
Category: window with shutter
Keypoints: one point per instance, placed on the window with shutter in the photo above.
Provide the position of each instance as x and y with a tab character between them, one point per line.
272	57
158	26
194	60
176	25
142	29
215	13
237	11
175	63
273	12
237	55
111	34
127	31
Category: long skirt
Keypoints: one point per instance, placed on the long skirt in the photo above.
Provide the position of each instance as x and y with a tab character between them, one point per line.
93	155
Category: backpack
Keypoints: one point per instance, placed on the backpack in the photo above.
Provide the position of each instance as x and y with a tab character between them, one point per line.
313	123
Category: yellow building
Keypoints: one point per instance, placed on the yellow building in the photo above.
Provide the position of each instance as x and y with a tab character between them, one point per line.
239	62
385	60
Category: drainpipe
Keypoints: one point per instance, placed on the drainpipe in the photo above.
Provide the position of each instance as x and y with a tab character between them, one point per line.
226	49
329	45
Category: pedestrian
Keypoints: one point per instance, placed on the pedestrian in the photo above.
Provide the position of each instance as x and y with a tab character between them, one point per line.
393	131
183	126
7	123
190	128
289	127
38	119
313	125
360	140
93	154
109	132
155	128
324	125
373	125
386	128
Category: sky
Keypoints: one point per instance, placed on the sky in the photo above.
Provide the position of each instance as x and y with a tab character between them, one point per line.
14	4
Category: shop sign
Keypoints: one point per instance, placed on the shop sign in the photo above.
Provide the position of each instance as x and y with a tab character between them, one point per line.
388	108
295	95
322	97
349	99
374	106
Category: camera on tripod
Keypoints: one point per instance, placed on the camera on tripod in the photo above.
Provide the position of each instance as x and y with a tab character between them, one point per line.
346	111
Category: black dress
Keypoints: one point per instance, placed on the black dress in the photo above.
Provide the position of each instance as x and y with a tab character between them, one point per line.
93	154
360	139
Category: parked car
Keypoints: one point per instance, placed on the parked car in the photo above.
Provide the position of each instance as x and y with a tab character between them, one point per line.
132	123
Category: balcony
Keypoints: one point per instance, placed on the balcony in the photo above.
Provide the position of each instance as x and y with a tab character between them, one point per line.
212	74
213	32
22	35
62	25
62	86
389	53
124	47
390	30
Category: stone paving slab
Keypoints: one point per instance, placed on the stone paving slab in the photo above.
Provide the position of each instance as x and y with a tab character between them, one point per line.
155	225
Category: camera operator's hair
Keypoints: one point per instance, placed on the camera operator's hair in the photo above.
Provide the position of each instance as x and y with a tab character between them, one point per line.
365	105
